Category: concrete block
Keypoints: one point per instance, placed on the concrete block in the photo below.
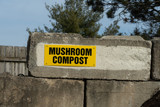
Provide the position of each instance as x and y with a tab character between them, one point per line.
32	92
102	93
156	59
121	58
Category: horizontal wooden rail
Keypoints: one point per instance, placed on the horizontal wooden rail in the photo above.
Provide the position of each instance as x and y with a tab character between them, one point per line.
13	60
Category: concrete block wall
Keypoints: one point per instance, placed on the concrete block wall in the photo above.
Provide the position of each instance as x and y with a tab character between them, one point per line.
13	60
120	58
156	58
16	91
21	91
47	91
103	93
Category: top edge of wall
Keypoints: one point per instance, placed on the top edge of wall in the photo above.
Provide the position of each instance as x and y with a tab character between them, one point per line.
123	37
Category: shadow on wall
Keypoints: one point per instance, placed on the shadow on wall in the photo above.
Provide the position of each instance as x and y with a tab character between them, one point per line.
153	102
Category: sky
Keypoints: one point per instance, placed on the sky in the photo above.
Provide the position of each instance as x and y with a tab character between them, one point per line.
18	15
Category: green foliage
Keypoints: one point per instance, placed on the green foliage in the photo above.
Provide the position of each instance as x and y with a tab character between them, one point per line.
132	11
73	17
143	34
152	31
112	29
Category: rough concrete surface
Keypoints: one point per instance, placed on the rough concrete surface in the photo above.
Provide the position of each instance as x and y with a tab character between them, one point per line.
102	93
36	92
123	37
156	59
121	58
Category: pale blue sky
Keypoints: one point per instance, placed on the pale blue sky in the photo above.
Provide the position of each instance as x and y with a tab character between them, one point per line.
17	15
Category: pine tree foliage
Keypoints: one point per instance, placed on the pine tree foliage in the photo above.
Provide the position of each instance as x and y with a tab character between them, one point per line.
132	11
137	10
144	34
73	17
112	29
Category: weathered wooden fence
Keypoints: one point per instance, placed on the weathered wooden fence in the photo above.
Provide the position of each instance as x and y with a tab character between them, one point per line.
13	60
